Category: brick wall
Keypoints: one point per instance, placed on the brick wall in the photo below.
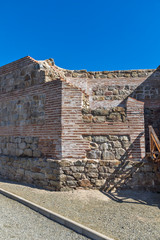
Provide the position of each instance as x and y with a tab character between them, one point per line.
32	110
65	129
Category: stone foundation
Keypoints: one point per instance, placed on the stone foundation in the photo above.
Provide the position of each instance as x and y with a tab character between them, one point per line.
62	175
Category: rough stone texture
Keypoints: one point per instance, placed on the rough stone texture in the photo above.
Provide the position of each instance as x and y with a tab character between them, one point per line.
23	111
117	114
107	74
21	78
71	174
19	146
109	147
117	92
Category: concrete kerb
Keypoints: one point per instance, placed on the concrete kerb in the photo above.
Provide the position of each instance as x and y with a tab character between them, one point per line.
79	228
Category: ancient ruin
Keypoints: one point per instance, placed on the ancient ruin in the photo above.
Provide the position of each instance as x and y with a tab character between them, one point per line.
65	129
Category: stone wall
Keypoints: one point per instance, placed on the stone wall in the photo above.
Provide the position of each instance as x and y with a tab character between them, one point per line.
99	115
19	146
87	174
21	78
117	92
107	74
40	172
108	175
34	112
65	129
23	111
108	147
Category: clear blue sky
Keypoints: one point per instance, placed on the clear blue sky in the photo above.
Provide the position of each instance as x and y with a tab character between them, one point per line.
82	34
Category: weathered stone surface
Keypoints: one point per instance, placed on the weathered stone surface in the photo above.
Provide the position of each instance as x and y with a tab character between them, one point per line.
22	145
65	163
124	138
17	146
100	112
23	111
106	155
87	118
84	183
36	153
100	183
100	139
28	152
77	175
87	138
92	174
117	144
114	117
99	119
104	146
93	145
86	111
113	137
94	154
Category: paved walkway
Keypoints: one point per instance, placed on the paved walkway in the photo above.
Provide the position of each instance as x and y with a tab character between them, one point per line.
126	215
20	222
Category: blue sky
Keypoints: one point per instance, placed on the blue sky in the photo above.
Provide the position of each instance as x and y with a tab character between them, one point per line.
82	34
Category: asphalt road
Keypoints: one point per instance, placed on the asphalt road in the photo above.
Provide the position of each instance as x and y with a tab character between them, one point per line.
20	222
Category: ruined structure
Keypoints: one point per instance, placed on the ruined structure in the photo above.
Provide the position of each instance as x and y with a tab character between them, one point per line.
63	129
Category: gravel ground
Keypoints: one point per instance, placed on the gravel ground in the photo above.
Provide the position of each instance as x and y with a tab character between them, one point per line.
20	222
123	215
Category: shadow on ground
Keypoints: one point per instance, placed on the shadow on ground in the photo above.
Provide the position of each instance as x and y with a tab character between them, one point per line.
136	197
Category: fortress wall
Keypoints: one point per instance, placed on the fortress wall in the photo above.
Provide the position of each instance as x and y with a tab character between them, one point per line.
30	111
54	135
112	91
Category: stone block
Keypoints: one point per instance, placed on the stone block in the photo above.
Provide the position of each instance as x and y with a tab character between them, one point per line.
99	119
93	145
84	183
104	146
63	178
72	183
92	174
94	154
87	138
28	139
126	145
106	155
87	118
100	112
22	145
124	138
115	117
113	137
100	139
28	152
100	183
77	176
120	151
74	169
79	163
36	153
86	111
64	163
117	144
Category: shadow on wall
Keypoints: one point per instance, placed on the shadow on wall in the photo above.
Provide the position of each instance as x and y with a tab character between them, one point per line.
149	93
131	174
